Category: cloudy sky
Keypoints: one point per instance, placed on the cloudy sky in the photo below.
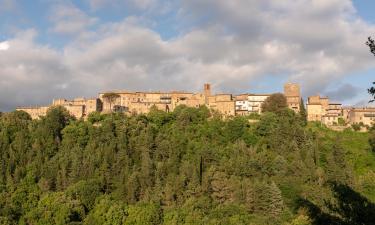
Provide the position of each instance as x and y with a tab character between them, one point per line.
57	48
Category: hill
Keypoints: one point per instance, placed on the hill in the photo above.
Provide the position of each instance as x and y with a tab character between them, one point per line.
184	167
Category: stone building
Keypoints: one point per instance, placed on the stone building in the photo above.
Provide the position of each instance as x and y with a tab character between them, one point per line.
316	107
222	103
256	101
365	116
321	110
142	102
78	107
34	111
292	93
252	103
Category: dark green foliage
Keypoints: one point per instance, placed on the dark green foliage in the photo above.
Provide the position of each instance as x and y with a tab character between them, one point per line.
95	117
303	113
356	127
348	208
183	167
274	103
372	140
370	42
341	122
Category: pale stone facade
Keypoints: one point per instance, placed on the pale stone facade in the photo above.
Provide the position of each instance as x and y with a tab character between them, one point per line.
252	103
318	108
142	102
321	110
292	93
34	111
222	103
314	112
78	107
366	116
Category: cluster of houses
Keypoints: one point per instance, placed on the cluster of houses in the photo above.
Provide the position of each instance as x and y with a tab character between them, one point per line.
318	108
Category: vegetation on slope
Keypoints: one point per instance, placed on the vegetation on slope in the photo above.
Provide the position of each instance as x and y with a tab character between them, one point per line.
183	167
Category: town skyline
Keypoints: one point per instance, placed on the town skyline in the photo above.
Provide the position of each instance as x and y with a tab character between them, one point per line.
317	108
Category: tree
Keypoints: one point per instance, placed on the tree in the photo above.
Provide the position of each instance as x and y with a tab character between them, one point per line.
372	140
143	213
95	117
56	208
107	212
56	119
111	97
274	103
302	113
371	43
346	208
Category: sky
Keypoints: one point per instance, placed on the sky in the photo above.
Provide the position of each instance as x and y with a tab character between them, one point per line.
65	49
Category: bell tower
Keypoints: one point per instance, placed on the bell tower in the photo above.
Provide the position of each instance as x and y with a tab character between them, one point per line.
207	92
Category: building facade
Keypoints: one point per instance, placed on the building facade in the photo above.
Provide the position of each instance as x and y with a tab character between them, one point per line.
79	107
320	109
365	116
292	93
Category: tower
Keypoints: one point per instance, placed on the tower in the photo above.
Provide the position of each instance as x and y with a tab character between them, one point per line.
207	92
292	93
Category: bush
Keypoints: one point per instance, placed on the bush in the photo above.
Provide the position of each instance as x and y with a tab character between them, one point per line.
356	127
341	122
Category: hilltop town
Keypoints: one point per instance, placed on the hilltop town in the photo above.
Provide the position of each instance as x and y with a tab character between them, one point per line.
318	108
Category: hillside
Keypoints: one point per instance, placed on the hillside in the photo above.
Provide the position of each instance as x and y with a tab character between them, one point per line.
184	167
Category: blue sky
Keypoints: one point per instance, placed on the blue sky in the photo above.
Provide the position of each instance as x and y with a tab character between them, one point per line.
58	48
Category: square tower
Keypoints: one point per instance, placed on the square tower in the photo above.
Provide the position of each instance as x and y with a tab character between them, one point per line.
292	93
207	92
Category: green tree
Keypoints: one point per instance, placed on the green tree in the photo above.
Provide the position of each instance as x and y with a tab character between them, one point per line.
144	213
303	113
356	126
268	122
372	140
56	208
55	121
107	211
86	192
275	103
370	42
337	167
95	117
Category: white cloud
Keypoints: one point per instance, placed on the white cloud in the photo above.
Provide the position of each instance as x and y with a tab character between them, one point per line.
315	41
4	46
231	44
68	19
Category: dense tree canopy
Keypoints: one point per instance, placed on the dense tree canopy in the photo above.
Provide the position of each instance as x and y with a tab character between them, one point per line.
183	167
275	103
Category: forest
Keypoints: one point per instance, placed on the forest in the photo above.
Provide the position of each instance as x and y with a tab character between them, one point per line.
189	166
